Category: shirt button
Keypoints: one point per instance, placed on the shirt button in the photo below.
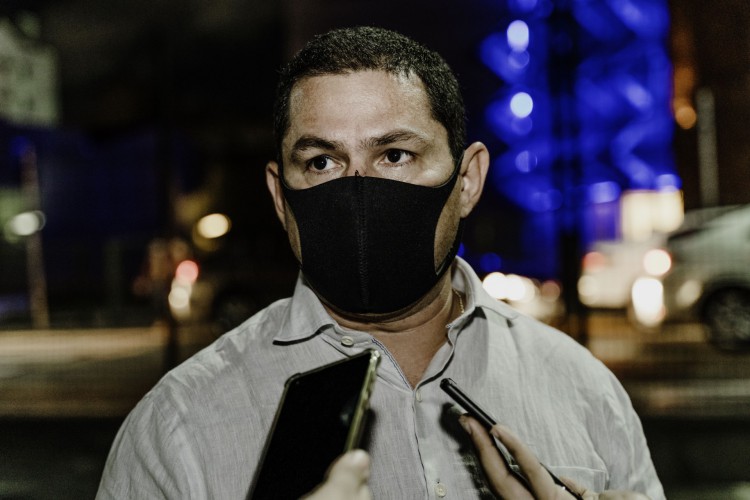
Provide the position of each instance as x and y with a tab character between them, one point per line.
441	490
418	395
347	341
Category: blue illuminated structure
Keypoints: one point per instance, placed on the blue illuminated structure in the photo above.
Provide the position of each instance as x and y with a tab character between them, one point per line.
582	112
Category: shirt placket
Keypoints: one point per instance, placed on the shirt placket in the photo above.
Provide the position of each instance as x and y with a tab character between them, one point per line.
427	411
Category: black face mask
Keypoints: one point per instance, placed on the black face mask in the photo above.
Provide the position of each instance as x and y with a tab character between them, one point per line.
367	243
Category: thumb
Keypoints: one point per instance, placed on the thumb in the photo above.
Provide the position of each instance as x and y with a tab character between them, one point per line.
351	471
346	479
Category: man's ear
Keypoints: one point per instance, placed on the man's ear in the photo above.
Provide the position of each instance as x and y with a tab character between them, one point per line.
274	187
474	167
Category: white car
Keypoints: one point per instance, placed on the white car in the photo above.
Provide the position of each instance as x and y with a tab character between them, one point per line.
609	269
708	281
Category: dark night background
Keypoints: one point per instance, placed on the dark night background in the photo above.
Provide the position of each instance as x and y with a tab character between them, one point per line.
165	114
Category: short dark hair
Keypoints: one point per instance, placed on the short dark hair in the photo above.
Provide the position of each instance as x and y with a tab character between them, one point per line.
366	48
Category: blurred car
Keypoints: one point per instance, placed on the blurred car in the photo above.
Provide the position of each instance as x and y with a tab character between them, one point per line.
708	279
218	289
217	297
609	270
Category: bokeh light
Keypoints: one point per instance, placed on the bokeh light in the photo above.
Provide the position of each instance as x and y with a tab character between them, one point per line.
213	226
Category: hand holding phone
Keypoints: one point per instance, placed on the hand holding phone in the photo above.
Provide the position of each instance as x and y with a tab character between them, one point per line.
487	421
321	416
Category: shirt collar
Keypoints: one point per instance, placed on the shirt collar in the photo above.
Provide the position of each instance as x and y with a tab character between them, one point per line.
466	281
306	316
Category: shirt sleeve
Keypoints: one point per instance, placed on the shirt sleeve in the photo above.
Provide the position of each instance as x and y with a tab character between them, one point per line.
151	457
631	467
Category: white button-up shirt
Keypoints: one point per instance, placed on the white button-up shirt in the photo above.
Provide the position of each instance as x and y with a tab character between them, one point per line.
200	431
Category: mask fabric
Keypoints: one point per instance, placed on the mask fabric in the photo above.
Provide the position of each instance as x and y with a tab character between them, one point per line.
367	243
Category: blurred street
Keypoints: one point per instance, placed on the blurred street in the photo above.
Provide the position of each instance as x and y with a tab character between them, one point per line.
63	394
673	373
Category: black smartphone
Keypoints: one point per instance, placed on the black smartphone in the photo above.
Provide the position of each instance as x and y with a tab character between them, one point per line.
459	396
322	414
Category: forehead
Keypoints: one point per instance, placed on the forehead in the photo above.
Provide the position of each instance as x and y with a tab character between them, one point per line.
358	101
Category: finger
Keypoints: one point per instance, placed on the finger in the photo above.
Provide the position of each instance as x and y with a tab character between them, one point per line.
351	470
587	494
620	495
581	491
501	479
346	479
539	478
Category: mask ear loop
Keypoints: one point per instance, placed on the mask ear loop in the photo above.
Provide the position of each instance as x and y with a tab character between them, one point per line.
448	259
454	174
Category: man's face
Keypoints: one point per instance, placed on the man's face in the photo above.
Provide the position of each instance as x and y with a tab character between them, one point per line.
374	123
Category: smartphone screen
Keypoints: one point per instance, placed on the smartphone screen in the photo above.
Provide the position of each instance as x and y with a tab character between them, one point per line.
321	415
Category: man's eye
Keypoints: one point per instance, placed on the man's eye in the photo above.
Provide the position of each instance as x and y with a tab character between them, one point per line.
320	162
396	156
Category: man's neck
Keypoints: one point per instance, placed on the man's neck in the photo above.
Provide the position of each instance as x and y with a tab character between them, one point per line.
414	337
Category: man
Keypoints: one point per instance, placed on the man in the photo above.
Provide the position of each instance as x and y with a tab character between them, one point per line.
372	183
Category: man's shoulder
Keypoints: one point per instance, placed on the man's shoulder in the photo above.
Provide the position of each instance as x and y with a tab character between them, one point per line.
540	344
243	366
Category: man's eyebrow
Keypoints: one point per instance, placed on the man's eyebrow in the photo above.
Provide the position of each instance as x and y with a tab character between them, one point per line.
396	136
312	142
